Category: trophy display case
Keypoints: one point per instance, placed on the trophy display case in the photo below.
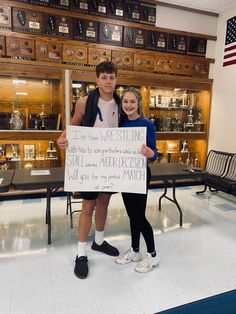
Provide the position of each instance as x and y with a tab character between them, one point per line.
181	119
31	118
179	111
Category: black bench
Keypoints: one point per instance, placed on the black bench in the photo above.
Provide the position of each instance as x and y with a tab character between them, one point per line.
221	172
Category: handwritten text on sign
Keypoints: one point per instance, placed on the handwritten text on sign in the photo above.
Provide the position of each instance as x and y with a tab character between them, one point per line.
105	160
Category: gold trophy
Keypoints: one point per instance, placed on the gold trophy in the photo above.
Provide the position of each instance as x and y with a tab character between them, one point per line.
42	115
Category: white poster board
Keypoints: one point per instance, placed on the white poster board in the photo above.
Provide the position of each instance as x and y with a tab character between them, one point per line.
105	160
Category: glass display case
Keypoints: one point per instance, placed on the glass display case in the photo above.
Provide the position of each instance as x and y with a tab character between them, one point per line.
31	119
180	116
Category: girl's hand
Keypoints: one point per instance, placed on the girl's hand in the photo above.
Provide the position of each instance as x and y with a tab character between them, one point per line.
62	143
146	151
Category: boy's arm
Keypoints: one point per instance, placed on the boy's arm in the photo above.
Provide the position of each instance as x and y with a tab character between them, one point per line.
77	119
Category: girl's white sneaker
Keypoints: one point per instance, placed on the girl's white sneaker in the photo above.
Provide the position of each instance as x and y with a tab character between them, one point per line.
147	263
128	257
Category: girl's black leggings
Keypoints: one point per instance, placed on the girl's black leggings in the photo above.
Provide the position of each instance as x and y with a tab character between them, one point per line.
135	205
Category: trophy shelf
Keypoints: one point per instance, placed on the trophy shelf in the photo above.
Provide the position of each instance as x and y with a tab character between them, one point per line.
29	134
179	135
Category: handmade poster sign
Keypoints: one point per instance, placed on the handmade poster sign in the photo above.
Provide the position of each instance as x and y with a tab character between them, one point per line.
105	160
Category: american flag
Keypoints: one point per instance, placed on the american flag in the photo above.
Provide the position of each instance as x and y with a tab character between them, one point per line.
230	43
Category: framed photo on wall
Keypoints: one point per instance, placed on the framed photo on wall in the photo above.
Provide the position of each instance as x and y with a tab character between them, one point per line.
29	151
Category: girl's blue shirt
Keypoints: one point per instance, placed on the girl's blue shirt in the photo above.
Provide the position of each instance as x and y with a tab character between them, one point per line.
151	132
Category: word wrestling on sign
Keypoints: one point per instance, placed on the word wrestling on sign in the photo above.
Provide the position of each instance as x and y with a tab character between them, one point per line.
105	160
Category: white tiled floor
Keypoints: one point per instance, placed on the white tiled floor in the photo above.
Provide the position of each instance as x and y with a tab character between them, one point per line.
197	260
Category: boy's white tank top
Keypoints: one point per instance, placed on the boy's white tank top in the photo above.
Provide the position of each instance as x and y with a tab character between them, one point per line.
108	115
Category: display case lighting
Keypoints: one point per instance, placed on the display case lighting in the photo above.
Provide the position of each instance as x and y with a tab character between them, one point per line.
76	85
18	81
21	93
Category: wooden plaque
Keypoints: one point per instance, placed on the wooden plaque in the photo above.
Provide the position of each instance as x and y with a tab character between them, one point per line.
5	17
161	41
55	52
151	40
115	9
91	31
20	48
50	24
65	26
27	21
98	7
134	37
147	13
183	67
79	6
156	41
42	51
2	46
75	54
48	51
59	4
177	43
123	60
201	69
197	46
79	29
132	11
164	65
57	25
143	62
110	34
97	55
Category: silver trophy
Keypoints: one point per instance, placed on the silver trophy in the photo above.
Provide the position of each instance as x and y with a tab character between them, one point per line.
17	118
189	126
199	123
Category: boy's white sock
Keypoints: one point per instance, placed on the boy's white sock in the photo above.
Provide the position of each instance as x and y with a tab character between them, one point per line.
81	248
99	237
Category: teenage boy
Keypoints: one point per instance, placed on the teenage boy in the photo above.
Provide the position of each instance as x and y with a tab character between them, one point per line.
100	110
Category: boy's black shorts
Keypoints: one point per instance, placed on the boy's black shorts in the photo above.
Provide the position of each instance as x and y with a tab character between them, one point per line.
92	195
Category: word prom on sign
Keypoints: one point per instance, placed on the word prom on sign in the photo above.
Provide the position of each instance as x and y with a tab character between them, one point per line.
105	160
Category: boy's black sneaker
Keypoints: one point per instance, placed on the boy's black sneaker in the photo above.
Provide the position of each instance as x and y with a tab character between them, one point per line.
105	248
81	267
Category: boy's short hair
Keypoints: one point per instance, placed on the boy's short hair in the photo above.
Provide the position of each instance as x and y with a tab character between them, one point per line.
106	67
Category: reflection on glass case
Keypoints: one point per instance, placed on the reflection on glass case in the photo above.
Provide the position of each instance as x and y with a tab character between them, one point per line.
175	110
29	103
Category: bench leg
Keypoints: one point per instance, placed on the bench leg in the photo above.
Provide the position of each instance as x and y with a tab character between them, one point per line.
213	190
205	188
